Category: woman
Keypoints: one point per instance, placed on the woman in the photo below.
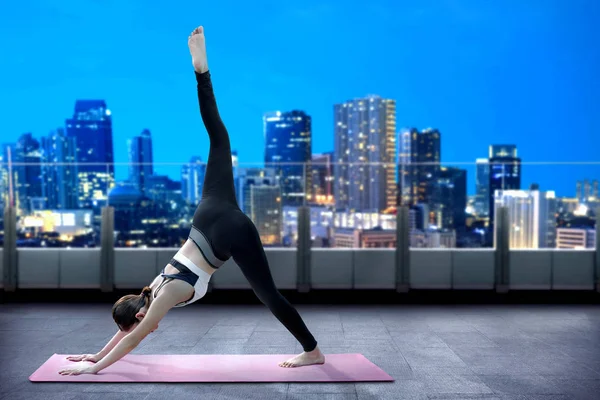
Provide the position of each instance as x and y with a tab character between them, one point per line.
220	230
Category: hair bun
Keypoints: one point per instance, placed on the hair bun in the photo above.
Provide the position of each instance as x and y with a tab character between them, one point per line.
146	291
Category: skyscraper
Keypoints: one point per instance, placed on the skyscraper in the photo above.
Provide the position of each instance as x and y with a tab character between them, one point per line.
365	154
322	178
482	187
166	195
260	199
419	165
27	174
91	126
288	141
450	198
502	150
140	160
192	180
505	172
532	222
3	186
60	170
587	190
5	175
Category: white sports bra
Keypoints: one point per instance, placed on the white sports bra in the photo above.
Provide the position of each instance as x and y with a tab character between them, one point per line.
195	276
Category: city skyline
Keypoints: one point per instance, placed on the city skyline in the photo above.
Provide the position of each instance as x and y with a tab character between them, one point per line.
123	172
473	72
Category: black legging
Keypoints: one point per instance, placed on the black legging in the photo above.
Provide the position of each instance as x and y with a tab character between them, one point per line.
228	230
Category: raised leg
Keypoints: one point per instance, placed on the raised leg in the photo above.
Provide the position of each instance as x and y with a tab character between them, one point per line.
218	180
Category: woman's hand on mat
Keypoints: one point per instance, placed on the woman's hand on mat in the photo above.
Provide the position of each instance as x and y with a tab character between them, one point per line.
78	370
85	357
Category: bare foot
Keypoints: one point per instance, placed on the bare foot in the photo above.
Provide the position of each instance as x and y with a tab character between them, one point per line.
198	50
310	358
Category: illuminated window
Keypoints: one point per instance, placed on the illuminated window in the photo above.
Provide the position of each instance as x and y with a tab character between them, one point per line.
68	219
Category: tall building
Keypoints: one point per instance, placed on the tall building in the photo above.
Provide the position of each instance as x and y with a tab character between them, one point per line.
450	198
288	149
482	187
60	170
503	151
595	192
91	126
27	177
575	238
322	179
419	165
505	172
587	190
365	154
140	160
418	215
532	221
166	195
192	180
161	188
3	186
260	199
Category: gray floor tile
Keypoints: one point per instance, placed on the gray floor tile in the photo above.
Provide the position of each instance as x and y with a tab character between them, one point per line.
36	396
408	389
535	397
473	339
410	340
523	384
456	384
321	396
185	391
432	356
253	390
109	396
322	388
102	387
578	389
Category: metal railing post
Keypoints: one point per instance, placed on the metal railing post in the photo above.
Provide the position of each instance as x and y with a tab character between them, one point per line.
107	250
402	259
597	256
10	261
303	250
502	251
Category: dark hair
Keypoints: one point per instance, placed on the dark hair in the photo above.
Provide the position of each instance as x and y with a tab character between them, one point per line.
126	308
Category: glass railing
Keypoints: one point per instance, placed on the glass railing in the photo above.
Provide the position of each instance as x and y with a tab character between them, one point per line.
452	205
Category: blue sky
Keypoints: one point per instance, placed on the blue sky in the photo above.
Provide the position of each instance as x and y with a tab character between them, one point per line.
481	71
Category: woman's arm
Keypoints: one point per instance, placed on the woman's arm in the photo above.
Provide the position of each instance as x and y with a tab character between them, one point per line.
111	345
171	294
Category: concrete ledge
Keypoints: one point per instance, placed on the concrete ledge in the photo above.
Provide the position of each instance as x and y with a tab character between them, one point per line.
530	269
38	268
134	268
79	269
430	269
332	269
374	269
573	269
473	269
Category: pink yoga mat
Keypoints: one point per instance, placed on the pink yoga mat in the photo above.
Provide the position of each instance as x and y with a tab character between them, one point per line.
218	368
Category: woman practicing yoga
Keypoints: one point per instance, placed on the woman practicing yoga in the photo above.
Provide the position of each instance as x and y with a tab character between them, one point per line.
220	230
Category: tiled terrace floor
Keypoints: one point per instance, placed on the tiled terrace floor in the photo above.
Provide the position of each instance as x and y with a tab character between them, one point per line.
433	352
